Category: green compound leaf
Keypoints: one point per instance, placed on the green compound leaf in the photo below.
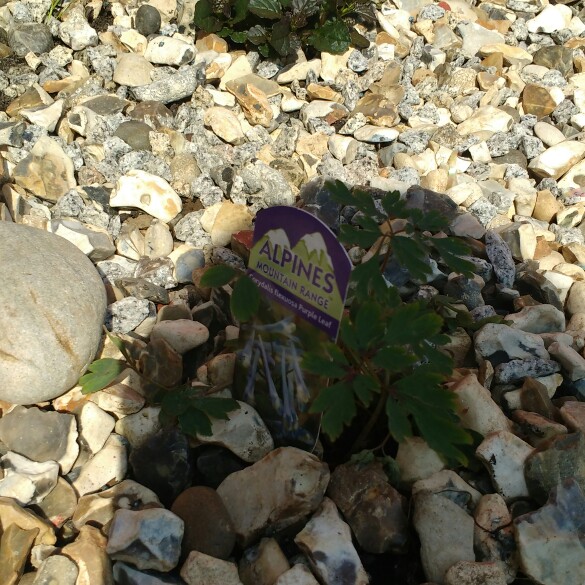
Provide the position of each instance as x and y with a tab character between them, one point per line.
364	387
174	403
270	9
327	366
451	250
216	407
337	403
368	324
100	374
431	221
332	37
393	205
195	422
412	255
394	358
364	238
347	334
368	280
398	423
339	191
432	408
411	324
219	275
245	299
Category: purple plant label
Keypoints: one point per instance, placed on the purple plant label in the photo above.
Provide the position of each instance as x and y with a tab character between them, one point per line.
298	261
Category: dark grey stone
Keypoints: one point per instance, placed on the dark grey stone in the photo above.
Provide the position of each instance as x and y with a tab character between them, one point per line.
517	370
147	20
500	256
31	36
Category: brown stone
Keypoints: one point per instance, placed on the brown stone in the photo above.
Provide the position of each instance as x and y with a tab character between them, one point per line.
253	102
323	92
536	429
374	510
211	42
378	109
547	206
208	526
12	513
536	100
15	545
89	553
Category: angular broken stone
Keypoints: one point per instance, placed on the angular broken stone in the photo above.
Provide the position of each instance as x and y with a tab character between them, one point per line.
15	545
93	241
99	509
41	436
550	540
148	192
28	482
374	510
147	539
201	568
88	551
561	458
46	171
326	541
267	493
437	521
504	455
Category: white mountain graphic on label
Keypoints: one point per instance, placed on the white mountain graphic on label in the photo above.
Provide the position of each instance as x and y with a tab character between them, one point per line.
316	250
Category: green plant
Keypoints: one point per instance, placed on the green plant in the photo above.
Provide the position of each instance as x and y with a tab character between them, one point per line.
283	26
388	360
192	408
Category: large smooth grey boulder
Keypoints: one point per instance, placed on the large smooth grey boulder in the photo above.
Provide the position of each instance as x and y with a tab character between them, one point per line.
52	307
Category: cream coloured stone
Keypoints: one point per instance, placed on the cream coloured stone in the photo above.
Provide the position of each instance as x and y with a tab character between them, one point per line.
486	119
148	192
132	70
504	455
225	124
298	71
558	159
169	51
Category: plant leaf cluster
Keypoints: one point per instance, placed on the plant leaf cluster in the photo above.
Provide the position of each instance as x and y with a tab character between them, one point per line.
283	26
387	361
193	409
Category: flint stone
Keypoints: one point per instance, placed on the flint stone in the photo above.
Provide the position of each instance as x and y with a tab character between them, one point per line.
537	319
374	510
46	171
99	509
15	546
516	370
297	575
476	407
504	455
437	520
89	554
147	539
550	540
59	505
201	568
75	31
11	513
263	563
28	482
561	458
172	88
41	436
326	541
30	37
107	465
500	343
57	569
62	336
269	492
128	575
